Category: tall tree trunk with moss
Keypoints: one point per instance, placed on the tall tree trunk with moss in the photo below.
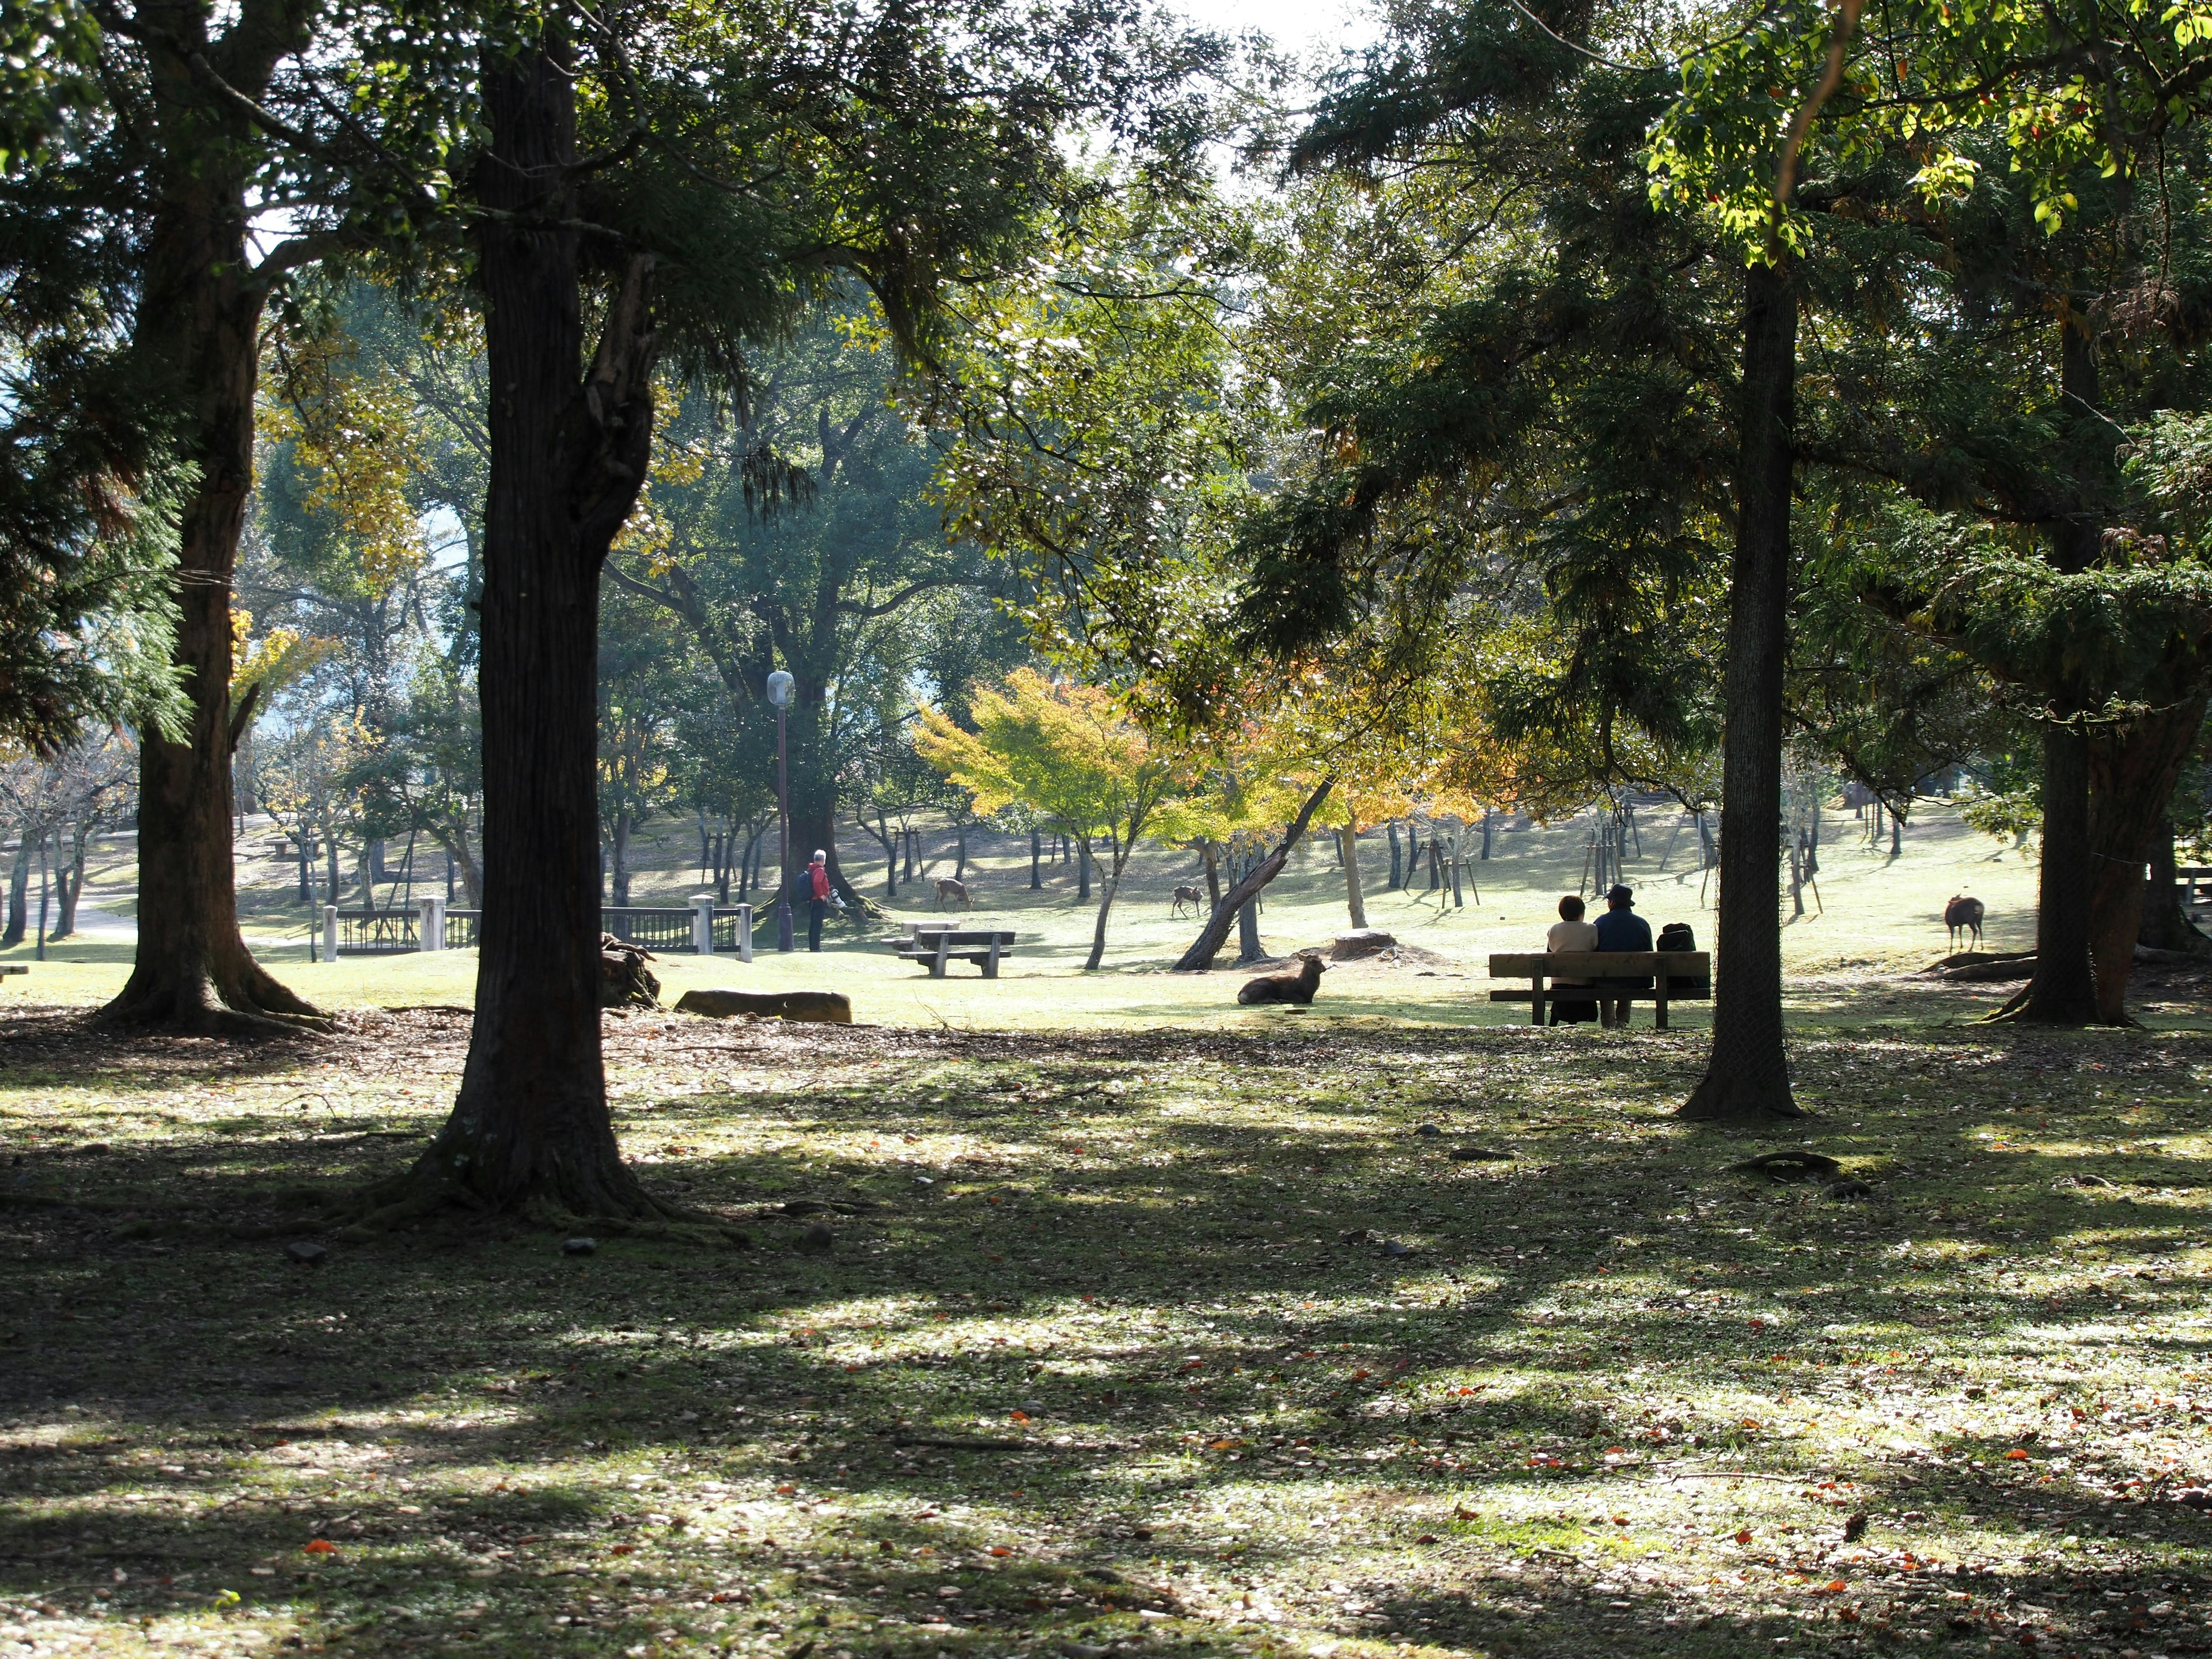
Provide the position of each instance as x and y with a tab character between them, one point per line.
1748	1078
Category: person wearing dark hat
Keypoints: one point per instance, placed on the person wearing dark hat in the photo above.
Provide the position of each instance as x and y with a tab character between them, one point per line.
1620	929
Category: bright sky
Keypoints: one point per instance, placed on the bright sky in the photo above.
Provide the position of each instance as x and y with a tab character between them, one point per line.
1304	28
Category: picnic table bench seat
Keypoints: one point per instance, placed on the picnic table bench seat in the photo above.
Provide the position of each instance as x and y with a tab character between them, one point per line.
1659	977
934	946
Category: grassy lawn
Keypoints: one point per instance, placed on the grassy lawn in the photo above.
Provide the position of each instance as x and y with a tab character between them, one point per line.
1148	1326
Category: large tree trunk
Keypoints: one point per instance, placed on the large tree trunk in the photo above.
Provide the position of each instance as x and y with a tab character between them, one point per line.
1355	901
2165	923
19	890
1747	1078
622	860
2132	772
199	321
69	886
530	1129
453	838
1247	888
2063	990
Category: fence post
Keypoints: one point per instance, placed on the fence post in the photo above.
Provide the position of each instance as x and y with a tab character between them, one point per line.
430	922
702	924
329	933
745	933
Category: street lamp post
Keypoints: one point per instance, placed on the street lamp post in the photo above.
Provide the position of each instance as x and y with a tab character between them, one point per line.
779	693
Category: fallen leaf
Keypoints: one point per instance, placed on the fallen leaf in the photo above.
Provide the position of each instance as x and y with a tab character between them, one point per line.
319	1546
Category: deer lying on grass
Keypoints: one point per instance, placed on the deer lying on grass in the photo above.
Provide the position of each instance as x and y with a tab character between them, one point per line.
1190	895
947	888
1295	987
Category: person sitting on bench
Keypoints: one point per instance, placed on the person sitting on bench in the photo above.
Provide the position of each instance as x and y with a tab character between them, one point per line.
1619	929
1572	932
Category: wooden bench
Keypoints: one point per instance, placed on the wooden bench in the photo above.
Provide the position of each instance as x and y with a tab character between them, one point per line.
1659	977
935	946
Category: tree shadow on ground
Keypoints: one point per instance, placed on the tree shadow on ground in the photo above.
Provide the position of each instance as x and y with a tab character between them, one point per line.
1143	1269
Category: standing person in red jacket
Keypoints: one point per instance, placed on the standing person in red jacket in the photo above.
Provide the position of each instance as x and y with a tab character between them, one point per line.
817	893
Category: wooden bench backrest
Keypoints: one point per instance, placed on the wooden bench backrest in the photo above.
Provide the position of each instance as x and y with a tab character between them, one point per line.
1594	965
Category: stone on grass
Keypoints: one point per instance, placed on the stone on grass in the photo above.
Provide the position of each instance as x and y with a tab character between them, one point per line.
818	1240
305	1252
579	1246
1429	1131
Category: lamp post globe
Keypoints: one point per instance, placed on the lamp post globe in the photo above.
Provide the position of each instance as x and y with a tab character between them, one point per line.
780	685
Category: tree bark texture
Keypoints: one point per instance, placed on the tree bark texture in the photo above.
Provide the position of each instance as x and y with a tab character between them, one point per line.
199	325
19	889
1355	901
1748	1078
2063	990
530	1129
2132	772
1247	888
2166	922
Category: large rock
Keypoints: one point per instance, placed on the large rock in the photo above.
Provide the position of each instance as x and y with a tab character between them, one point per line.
1362	942
814	1007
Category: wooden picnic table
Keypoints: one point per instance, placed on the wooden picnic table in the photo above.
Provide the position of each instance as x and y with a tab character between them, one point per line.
1659	977
935	945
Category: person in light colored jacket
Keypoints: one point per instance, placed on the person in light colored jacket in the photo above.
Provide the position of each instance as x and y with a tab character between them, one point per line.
1572	932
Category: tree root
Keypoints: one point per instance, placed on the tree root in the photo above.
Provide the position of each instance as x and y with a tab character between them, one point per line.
390	1205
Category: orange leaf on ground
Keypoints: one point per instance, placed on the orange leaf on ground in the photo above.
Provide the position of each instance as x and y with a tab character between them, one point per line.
2015	1456
1744	1537
319	1546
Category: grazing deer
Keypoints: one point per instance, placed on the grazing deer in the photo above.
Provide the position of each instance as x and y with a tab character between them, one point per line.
1295	988
947	888
1963	916
1190	895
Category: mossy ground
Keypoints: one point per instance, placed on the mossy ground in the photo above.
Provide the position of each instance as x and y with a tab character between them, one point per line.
1113	1348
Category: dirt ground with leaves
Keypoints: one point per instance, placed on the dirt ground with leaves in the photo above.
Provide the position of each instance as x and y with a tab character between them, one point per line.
1333	1337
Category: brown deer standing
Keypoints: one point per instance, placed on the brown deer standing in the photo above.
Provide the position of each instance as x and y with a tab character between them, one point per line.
1190	896
1963	916
948	888
1295	988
